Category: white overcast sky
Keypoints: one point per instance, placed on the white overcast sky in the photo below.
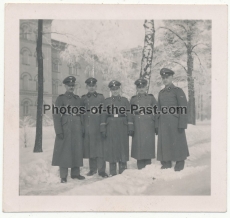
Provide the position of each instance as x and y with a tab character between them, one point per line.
128	33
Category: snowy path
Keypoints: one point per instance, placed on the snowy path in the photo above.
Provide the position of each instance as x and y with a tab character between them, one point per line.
38	177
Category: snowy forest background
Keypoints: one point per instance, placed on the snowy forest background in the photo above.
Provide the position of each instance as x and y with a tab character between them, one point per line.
181	45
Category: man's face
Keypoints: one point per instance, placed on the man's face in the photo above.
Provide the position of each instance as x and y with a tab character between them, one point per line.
167	80
115	92
91	88
70	87
142	90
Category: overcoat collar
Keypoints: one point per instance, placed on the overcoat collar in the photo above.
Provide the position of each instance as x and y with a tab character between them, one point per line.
116	97
89	94
141	95
69	94
168	88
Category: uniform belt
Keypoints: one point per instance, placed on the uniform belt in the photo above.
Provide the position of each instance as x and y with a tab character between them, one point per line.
116	115
138	113
78	115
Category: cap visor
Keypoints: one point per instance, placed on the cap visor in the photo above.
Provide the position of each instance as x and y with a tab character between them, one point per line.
165	76
114	87
141	86
70	83
91	84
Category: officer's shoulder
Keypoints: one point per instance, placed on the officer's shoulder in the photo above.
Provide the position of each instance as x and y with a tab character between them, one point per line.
178	88
61	96
151	96
124	98
133	97
106	99
76	96
100	95
83	95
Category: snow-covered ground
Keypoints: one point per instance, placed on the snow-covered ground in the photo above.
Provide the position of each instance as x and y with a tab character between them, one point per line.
38	177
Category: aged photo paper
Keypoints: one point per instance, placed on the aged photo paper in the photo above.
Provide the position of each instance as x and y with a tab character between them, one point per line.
131	57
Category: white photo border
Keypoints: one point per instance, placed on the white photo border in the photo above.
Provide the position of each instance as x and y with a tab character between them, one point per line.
217	202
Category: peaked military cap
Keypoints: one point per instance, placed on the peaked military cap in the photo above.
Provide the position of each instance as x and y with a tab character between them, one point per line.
166	72
91	81
114	85
70	80
141	83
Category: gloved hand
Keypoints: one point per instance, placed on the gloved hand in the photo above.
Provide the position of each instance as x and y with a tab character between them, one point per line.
60	136
131	133
103	134
156	131
180	130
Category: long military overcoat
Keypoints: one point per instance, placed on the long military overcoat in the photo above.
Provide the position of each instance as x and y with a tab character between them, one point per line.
93	146
143	141
116	144
68	152
172	144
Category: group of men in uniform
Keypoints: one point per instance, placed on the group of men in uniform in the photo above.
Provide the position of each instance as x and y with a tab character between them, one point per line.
105	137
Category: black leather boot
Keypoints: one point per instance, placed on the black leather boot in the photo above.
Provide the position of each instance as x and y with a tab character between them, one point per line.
63	180
103	175
91	173
179	165
78	177
166	164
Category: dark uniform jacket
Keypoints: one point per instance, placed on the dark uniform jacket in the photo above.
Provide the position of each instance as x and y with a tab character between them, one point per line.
172	144
116	144
143	142
93	146
68	152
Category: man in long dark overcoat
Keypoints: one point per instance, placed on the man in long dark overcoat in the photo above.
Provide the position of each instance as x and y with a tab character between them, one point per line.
115	129
68	148
93	146
172	143
143	141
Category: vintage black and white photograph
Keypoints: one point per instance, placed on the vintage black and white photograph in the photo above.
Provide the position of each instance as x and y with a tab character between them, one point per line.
121	63
117	107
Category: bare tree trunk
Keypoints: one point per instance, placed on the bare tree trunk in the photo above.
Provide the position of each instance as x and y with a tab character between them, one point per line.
147	54
201	108
198	104
190	79
25	137
38	140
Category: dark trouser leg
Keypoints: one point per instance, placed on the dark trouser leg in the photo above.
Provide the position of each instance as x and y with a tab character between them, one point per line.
113	168
148	162
122	167
140	164
100	165
125	165
75	171
179	165
63	172
166	164
93	164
